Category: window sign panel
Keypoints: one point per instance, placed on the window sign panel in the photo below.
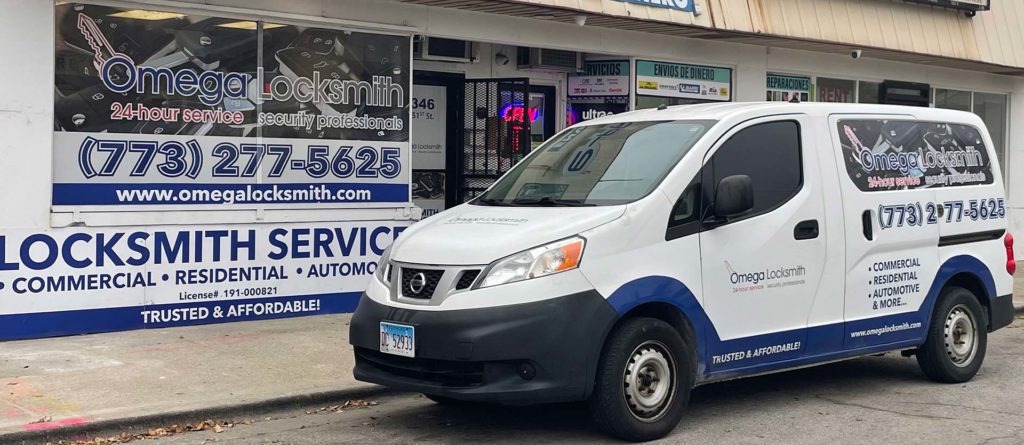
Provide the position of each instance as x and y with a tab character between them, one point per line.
780	87
173	111
583	109
601	78
836	90
430	127
682	81
902	155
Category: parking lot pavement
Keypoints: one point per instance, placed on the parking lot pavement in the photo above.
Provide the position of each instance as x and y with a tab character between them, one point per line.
882	399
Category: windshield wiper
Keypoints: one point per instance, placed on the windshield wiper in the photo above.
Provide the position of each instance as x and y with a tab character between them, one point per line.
548	201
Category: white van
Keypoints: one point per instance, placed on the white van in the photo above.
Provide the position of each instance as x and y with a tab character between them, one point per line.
636	256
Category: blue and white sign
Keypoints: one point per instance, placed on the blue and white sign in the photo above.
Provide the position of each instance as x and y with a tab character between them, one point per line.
680	5
81	280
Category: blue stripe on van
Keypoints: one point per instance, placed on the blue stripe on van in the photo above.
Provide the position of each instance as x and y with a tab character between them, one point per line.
729	358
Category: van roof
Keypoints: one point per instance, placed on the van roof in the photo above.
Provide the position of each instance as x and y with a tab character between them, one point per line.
725	110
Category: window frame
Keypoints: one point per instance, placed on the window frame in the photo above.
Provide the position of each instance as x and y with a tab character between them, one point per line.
701	224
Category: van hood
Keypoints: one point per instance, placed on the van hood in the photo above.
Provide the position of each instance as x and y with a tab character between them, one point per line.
477	235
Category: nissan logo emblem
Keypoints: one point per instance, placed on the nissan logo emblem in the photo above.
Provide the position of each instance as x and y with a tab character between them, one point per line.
417	283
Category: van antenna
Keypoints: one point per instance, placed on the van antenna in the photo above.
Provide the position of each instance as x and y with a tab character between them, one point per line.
663	106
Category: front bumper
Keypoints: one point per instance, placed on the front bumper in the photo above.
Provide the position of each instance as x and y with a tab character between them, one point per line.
476	354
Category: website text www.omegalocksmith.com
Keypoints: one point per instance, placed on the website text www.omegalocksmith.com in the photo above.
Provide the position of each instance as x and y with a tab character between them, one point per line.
249	194
888	329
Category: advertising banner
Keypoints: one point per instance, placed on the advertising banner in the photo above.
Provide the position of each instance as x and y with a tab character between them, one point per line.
172	111
902	155
663	79
785	88
601	78
73	281
582	109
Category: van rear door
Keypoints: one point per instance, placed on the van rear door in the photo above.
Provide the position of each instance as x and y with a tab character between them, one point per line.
891	248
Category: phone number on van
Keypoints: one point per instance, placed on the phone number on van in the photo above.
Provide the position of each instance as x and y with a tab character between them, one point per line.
914	214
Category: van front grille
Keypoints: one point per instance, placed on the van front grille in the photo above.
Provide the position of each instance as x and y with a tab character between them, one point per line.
420	283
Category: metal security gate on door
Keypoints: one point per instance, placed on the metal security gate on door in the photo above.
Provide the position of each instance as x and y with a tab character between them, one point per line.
497	132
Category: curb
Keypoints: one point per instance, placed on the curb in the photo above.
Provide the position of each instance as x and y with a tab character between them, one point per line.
104	428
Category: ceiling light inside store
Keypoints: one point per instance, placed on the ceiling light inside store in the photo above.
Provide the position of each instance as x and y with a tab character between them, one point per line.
544	16
142	14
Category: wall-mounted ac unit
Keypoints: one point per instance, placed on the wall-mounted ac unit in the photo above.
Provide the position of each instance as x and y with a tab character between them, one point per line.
539	59
444	50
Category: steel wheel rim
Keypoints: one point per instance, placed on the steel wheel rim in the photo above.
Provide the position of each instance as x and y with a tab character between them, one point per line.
649	381
960	336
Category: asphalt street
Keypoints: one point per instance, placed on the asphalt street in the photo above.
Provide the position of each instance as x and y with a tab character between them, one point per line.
880	399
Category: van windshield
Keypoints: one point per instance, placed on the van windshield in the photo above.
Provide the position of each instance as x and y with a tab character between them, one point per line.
594	165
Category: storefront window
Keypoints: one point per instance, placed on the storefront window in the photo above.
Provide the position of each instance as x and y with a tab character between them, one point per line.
992	108
867	92
952	99
836	90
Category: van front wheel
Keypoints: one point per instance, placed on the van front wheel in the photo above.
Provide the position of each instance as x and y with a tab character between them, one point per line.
643	381
957	338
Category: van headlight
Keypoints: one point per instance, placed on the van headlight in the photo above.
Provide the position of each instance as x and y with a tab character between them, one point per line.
549	259
383	272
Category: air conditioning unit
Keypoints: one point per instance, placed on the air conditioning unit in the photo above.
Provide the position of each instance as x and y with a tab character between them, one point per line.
444	50
539	59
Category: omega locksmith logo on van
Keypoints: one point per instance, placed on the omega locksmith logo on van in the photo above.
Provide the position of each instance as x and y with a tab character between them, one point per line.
772	277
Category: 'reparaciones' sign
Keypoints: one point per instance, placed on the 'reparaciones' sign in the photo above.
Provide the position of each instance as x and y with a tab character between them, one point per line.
684	81
680	5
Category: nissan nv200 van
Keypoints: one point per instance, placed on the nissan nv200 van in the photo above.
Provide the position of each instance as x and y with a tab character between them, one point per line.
635	256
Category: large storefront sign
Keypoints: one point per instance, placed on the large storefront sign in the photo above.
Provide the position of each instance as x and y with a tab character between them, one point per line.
781	87
677	80
680	5
72	281
163	110
601	78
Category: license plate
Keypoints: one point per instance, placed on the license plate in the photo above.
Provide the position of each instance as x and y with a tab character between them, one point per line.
397	339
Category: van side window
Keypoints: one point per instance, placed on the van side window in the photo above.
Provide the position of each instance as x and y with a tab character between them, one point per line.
770	154
884	155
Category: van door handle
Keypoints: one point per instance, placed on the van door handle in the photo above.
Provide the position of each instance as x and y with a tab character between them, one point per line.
806	230
865	219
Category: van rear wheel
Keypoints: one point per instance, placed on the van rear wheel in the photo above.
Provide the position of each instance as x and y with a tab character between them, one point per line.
957	338
643	381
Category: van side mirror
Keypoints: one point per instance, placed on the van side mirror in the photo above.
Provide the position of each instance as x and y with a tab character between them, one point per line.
733	196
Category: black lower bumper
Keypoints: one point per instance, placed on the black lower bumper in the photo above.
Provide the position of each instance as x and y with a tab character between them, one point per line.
1000	312
481	354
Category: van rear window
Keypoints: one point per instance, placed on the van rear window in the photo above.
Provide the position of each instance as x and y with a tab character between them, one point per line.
904	155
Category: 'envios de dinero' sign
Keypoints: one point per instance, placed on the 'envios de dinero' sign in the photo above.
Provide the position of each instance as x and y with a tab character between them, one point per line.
681	5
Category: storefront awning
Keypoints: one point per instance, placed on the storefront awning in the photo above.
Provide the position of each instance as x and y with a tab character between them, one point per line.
699	28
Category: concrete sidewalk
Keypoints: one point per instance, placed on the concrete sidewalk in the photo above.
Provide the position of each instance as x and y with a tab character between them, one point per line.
85	380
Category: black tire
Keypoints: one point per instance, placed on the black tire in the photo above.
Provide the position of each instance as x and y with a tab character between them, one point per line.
632	351
948	354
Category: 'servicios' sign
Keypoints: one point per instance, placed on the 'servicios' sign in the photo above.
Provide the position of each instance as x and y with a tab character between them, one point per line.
681	5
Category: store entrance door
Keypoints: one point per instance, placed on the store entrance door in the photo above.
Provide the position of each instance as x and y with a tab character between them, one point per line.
496	131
